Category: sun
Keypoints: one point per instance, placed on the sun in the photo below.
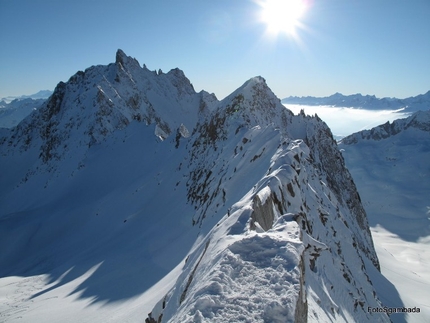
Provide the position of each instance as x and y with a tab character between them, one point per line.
282	16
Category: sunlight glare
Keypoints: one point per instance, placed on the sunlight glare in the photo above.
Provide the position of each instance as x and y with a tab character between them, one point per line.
282	16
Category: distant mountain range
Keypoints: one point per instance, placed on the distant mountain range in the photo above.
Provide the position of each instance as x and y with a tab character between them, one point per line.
43	94
15	108
370	102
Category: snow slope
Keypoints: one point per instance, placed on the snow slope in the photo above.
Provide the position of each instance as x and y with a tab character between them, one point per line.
390	165
127	193
302	265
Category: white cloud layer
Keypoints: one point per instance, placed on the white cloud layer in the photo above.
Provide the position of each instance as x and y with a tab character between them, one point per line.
345	121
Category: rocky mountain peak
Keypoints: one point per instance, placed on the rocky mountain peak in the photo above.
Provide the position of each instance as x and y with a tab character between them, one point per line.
137	158
180	82
122	59
102	99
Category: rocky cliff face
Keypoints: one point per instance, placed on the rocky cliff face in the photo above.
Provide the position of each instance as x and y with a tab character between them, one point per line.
282	232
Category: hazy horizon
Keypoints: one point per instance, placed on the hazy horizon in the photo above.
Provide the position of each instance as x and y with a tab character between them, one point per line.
346	121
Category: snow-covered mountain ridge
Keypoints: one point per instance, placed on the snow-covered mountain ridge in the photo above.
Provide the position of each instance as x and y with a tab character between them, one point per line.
371	102
390	166
402	157
419	120
248	209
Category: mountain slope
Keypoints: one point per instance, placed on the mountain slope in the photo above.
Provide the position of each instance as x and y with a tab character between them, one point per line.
280	255
418	123
389	164
138	187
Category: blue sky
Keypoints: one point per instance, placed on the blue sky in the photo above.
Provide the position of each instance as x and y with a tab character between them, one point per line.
379	47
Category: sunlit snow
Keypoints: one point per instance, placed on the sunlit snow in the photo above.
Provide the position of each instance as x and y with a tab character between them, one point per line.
393	178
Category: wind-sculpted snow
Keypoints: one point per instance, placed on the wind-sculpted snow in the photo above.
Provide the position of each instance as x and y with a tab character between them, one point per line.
127	187
306	261
255	278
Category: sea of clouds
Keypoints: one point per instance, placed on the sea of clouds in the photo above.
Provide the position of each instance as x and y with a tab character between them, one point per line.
345	121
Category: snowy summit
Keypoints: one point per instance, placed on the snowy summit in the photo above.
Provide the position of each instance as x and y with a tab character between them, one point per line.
129	197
